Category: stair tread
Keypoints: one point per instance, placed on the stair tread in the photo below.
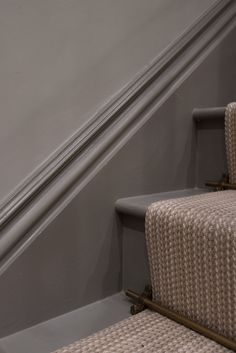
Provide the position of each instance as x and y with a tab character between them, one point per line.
62	330
137	205
147	331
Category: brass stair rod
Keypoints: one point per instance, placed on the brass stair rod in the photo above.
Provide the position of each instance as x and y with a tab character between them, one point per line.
221	185
224	341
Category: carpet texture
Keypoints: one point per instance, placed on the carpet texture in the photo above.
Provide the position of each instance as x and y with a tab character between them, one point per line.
191	245
230	140
147	332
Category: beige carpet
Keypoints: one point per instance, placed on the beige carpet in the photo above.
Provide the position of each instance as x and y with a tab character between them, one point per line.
191	244
145	332
230	140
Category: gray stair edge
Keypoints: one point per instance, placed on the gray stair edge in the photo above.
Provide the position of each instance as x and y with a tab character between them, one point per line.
63	330
137	205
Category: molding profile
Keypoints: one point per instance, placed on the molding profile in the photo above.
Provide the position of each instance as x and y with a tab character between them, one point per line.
103	118
43	189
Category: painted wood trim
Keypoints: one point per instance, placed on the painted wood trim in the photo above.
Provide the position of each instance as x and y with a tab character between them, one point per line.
22	224
63	157
202	114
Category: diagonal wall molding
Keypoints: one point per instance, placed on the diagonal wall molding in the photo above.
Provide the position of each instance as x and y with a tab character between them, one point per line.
103	118
45	188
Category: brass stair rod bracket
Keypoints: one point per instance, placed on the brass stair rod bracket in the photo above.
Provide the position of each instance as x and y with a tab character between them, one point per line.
224	341
221	185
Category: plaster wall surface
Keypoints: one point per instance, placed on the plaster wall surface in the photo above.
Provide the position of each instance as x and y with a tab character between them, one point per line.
60	61
77	259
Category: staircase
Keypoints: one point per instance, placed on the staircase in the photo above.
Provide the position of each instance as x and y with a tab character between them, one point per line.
72	235
113	310
132	211
191	244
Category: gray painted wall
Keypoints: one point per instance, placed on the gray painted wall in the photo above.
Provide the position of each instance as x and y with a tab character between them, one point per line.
77	259
211	156
61	60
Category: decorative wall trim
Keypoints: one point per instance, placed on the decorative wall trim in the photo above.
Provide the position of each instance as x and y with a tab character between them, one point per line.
72	161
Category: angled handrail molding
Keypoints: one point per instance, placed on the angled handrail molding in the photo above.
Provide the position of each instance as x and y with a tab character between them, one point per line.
214	22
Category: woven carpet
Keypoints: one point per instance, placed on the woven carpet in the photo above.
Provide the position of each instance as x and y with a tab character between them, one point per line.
230	140
191	245
145	332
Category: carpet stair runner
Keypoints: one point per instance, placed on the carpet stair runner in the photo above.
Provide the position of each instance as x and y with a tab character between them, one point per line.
191	243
